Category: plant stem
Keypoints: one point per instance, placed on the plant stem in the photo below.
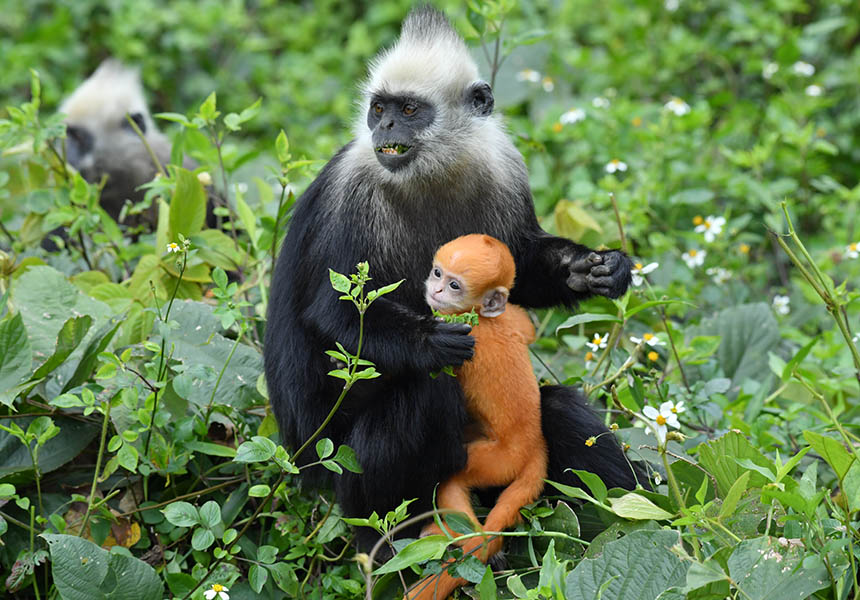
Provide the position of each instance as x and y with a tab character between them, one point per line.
221	374
146	145
98	468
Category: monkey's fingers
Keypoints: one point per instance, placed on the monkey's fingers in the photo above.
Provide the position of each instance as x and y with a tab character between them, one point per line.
586	263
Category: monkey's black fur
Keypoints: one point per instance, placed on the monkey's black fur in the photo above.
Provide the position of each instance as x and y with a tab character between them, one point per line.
406	427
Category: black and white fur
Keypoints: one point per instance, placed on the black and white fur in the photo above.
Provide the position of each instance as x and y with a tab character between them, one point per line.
465	177
100	141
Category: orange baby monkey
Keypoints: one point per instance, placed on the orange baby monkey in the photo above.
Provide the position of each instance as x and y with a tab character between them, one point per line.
476	272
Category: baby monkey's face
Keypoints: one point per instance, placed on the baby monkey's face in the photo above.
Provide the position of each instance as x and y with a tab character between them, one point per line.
446	292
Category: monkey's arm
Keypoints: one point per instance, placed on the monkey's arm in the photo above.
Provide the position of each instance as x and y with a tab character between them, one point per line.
553	270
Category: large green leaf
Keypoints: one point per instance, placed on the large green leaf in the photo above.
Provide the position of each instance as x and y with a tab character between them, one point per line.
16	357
718	457
204	351
748	332
83	571
72	439
639	566
68	339
764	570
187	207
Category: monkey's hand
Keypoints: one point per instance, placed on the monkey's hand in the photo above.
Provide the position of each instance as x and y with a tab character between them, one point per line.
606	273
449	344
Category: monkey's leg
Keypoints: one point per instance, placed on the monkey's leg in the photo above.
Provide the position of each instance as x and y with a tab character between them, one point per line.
453	495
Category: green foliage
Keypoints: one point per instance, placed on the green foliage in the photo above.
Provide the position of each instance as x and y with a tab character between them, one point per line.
139	457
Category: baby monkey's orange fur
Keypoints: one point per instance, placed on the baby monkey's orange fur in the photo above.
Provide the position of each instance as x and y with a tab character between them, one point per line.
501	393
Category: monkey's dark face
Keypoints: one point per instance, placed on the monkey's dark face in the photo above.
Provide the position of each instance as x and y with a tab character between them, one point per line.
395	122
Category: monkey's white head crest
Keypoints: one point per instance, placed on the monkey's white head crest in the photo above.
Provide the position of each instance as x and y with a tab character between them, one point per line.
113	90
430	58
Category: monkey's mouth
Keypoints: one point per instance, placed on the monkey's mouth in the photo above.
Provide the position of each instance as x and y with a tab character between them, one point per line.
393	149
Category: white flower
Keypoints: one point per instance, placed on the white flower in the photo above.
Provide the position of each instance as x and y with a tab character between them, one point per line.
529	75
648	338
814	90
574	115
780	304
769	70
217	590
600	102
205	178
803	68
638	272
711	227
548	84
677	106
597	342
173	247
694	258
660	420
658	479
853	250
678	408
615	165
719	274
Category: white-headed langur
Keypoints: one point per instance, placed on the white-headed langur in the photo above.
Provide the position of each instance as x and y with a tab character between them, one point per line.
430	161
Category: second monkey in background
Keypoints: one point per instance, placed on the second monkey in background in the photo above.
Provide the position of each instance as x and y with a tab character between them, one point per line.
476	272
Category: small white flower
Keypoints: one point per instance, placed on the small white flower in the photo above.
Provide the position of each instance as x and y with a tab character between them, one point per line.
217	590
803	68
574	115
638	271
660	420
600	102
814	90
853	250
597	342
719	274
205	178
548	84
658	479
694	258
529	75
672	5
173	247
711	227
769	70
781	304
648	338
677	106
615	165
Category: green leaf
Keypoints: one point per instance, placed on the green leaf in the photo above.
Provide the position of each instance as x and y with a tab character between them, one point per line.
851	486
586	318
202	539
127	457
207	110
765	571
187	207
90	358
431	547
267	554
639	566
574	492
347	459
594	483
719	458
16	357
735	492
634	506
210	514
83	571
246	215
257	577
181	514
211	449
324	448
68	339
487	587
73	437
282	147
259	491
339	282
258	449
832	451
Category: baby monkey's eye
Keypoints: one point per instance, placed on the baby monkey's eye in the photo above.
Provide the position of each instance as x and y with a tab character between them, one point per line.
454	285
437	273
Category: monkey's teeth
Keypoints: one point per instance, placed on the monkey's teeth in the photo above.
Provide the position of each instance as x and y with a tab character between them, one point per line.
393	149
388	150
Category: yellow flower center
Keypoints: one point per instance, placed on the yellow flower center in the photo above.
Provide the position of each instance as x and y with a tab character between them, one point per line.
557	127
589	356
698	220
638	266
853	247
615	161
675	409
614	427
707	224
693	253
661	420
217	587
637	121
648	337
744	248
653	356
590	442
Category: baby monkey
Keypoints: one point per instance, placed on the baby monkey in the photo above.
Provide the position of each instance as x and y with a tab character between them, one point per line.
476	272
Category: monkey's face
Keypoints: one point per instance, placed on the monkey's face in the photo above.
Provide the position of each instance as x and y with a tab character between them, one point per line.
396	122
446	292
90	144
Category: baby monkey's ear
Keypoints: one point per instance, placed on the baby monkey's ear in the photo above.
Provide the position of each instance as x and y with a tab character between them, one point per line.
494	301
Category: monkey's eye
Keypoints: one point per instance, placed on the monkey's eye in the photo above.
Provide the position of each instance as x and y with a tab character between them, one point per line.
409	109
454	285
437	273
377	108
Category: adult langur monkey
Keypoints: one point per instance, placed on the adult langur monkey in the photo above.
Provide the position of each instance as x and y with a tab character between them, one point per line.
429	162
101	142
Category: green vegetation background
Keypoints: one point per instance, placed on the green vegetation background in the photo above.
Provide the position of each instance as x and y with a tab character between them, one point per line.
715	108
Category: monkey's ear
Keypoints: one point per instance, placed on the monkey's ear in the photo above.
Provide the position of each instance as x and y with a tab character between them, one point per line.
479	98
494	302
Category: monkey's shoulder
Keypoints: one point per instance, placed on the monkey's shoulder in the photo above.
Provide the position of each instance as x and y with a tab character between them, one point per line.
512	326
